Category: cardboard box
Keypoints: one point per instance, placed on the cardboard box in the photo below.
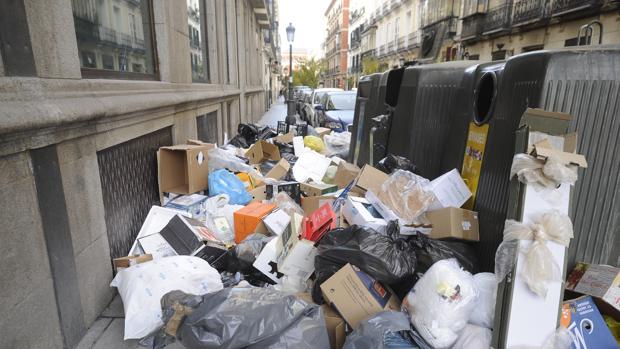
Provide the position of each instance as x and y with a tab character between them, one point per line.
543	150
319	222
450	190
154	222
454	223
359	211
259	194
261	151
183	169
345	174
279	170
277	222
191	204
336	326
600	281
357	296
369	178
318	189
311	204
248	218
126	262
297	258
322	131
267	261
291	188
587	327
285	138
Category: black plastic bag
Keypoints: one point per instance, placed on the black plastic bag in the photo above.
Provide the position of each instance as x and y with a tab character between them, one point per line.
247	131
265	133
387	258
429	251
239	142
242	256
393	162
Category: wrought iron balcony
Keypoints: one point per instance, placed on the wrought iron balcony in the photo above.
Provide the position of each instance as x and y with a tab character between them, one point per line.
472	27
527	11
497	19
412	40
561	7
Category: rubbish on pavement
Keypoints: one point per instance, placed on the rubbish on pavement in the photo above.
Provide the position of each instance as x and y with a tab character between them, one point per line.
315	143
219	217
183	169
587	327
279	170
356	295
224	182
221	159
277	222
285	138
298	145
244	317
154	222
336	326
450	190
393	162
359	211
369	178
285	203
191	204
484	311
297	257
337	144
291	188
141	287
318	223
474	337
330	174
247	180
126	262
322	131
441	302
382	330
247	219
539	265
267	261
317	189
310	165
456	223
262	150
345	174
429	251
181	236
387	258
599	281
311	204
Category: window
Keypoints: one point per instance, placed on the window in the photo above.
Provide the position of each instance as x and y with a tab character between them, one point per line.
498	55
196	29
474	57
115	31
573	42
532	48
396	25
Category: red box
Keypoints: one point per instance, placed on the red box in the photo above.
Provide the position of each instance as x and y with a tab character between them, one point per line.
319	222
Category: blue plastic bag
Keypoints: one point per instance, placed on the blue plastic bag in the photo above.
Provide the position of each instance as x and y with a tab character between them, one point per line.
224	182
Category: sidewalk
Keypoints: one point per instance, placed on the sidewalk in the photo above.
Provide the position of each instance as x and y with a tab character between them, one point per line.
276	113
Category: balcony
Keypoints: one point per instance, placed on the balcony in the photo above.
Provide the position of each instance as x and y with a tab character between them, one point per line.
527	11
390	47
382	51
472	27
562	7
394	3
412	40
385	7
474	7
497	19
401	44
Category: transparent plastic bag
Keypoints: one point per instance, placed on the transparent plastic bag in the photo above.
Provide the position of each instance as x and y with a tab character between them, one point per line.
484	311
548	174
539	266
560	339
224	182
288	205
405	193
337	144
315	143
474	337
441	302
218	206
222	159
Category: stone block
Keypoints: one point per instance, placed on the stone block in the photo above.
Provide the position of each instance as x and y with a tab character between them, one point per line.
94	274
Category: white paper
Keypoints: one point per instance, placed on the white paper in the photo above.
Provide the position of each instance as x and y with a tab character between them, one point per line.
450	191
298	145
299	262
156	245
310	165
277	221
355	212
155	221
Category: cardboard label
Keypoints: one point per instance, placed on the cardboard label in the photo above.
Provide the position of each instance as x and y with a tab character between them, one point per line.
586	325
472	160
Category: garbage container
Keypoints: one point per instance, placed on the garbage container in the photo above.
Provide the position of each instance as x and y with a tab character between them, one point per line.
367	106
389	93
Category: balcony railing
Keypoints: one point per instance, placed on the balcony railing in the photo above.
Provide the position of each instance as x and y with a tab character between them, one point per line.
527	11
88	31
381	51
401	44
472	27
394	3
385	8
560	7
412	40
497	19
390	46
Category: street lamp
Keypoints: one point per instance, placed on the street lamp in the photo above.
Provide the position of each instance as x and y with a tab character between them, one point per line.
290	115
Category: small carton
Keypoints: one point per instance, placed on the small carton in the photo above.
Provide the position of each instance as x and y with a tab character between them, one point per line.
336	327
297	258
285	138
279	170
183	168
291	188
311	204
450	190
191	204
600	281
369	178
249	218
261	151
318	189
126	262
259	193
356	295
322	131
267	261
345	174
277	222
318	223
360	211
454	223
586	325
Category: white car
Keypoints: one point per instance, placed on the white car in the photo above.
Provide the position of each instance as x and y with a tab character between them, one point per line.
315	100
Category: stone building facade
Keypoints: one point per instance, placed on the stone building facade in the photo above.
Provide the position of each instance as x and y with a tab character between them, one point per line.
88	91
336	43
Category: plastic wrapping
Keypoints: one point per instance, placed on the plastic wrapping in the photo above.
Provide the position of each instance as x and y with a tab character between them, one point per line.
141	286
474	337
393	162
539	267
285	203
337	144
441	302
221	159
224	182
245	318
218	206
430	251
405	193
386	258
560	339
548	174
381	331
315	143
484	311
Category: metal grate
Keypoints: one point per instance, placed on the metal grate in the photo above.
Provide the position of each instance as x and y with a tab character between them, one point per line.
128	173
206	126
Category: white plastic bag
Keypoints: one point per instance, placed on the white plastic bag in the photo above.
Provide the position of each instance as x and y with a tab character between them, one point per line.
337	144
218	207
539	266
548	174
484	311
141	287
474	337
441	302
407	195
222	159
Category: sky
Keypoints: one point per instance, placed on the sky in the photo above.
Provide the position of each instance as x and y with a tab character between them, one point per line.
308	18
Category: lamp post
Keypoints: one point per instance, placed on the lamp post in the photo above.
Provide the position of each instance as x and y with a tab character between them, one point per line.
290	115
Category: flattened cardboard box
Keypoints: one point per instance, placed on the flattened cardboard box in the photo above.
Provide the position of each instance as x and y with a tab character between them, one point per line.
345	173
369	178
261	151
279	170
183	169
357	296
454	223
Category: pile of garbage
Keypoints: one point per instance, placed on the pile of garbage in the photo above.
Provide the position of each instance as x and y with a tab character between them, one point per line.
273	240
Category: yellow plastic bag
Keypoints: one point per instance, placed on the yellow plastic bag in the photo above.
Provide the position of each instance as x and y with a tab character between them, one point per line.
314	143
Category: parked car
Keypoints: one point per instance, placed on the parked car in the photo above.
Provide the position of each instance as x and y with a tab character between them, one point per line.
298	92
314	101
306	110
336	111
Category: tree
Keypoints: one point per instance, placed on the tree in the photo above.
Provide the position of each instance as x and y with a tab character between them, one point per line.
308	74
370	65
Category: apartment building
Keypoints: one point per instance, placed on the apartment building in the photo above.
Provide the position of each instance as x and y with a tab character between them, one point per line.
398	35
336	44
358	21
